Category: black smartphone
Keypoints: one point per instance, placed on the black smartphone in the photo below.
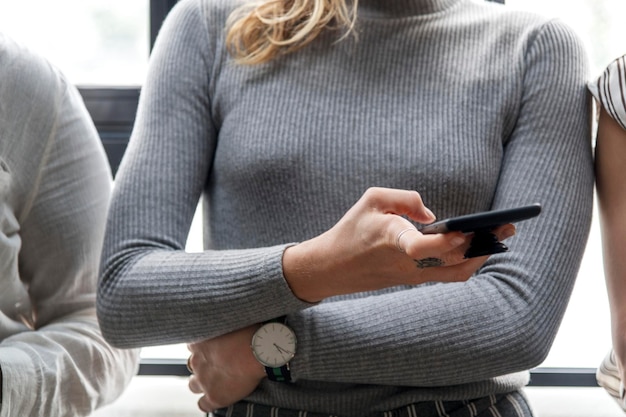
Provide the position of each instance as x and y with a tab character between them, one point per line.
486	220
481	224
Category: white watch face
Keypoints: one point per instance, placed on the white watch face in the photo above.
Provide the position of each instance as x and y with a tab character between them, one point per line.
274	344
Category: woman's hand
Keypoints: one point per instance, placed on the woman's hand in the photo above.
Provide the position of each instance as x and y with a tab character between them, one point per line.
224	369
373	246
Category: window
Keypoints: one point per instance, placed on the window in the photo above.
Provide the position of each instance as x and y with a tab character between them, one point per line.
598	23
95	42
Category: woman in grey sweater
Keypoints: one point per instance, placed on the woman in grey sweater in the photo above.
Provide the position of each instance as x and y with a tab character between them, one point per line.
284	130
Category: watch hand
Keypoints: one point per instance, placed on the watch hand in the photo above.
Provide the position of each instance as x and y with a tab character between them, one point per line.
283	350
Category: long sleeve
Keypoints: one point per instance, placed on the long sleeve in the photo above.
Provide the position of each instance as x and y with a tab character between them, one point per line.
55	190
138	256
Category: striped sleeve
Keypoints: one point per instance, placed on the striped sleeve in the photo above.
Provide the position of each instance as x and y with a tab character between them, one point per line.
610	90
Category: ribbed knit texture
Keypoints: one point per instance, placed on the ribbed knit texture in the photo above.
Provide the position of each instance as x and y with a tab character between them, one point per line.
475	106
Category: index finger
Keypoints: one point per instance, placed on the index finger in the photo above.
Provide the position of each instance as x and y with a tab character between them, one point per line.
400	202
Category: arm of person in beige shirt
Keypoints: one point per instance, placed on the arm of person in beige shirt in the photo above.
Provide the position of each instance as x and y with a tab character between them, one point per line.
55	185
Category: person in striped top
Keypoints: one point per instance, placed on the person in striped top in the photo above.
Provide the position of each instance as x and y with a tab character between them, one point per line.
609	91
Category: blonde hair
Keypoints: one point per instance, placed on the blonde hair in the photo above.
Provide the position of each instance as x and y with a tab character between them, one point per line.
257	32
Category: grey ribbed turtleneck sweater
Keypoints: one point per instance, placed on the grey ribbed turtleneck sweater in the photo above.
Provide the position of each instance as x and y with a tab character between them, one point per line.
475	106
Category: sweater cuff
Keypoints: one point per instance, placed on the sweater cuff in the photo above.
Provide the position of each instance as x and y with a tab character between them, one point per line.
280	288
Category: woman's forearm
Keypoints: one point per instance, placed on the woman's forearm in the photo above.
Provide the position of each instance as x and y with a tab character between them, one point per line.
611	191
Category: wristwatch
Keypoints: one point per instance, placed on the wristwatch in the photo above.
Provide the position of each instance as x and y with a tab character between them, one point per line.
274	345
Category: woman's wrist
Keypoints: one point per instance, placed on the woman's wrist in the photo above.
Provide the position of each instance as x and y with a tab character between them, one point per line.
299	274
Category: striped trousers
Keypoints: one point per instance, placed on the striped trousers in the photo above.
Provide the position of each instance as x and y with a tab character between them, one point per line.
513	404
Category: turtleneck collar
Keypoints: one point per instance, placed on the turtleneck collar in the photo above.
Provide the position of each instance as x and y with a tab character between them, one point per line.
402	8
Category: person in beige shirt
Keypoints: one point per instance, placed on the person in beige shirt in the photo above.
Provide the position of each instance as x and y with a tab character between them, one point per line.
55	185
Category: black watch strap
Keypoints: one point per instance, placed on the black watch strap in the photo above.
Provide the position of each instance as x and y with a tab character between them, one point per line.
281	374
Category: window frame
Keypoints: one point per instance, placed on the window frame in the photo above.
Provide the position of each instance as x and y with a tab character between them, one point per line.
113	112
539	377
113	108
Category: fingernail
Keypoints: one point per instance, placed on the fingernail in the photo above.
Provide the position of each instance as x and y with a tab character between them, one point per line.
430	213
457	241
508	232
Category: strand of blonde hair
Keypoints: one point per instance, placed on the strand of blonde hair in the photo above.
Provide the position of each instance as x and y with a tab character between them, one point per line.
258	32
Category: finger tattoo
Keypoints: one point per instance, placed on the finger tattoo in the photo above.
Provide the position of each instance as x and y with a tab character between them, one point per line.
428	262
